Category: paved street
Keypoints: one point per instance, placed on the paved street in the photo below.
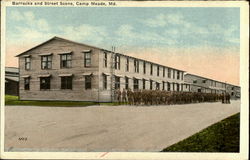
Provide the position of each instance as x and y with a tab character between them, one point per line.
108	128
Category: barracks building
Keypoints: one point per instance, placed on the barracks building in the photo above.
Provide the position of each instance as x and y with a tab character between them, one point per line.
197	83
60	69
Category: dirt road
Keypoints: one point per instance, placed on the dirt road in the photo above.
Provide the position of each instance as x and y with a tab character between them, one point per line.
108	128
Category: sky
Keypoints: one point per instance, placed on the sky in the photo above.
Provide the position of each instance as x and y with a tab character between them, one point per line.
202	41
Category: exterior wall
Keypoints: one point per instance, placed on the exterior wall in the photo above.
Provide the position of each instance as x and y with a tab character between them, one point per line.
11	88
204	85
211	86
78	92
105	95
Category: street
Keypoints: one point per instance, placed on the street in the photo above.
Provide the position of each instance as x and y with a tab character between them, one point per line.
108	128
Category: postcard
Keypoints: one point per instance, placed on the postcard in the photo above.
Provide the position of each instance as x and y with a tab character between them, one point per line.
124	79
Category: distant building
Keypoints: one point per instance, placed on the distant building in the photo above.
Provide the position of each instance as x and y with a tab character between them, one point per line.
60	69
197	83
11	81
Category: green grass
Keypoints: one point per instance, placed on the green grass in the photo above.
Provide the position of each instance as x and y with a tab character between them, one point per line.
220	137
13	100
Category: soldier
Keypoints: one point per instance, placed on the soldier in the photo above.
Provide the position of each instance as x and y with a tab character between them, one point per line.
118	96
124	95
222	97
130	96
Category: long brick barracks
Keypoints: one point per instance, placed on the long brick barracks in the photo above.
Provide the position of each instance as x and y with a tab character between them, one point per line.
60	69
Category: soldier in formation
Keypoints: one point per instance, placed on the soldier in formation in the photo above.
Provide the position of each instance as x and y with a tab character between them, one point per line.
159	97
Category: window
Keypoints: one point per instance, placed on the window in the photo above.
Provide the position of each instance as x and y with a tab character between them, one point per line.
151	69
203	81
46	62
136	65
158	70
151	84
66	61
163	85
127	64
157	85
169	73
27	63
178	87
88	84
144	67
136	84
105	59
44	83
181	75
117	61
105	81
163	71
195	81
87	59
143	84
66	82
173	74
27	83
117	82
178	74
168	85
126	83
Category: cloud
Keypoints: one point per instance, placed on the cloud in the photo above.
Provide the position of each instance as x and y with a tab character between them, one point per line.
127	34
163	20
85	32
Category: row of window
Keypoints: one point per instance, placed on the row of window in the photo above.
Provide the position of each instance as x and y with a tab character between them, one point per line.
66	82
117	63
136	84
65	61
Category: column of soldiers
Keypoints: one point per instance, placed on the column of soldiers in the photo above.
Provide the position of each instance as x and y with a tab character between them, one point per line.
158	97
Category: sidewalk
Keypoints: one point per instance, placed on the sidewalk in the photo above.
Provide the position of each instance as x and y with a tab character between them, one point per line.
108	128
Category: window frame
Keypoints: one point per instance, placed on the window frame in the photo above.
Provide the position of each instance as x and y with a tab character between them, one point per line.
117	62
169	72
45	86
105	82
136	65
135	84
143	84
127	64
117	82
126	83
47	61
27	64
27	83
105	60
151	69
88	82
144	67
66	82
158	70
67	55
87	59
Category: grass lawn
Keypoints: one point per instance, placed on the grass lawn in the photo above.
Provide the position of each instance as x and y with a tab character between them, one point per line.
220	137
13	100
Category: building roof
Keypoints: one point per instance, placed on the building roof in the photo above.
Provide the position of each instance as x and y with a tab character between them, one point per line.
11	69
209	79
65	40
16	79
